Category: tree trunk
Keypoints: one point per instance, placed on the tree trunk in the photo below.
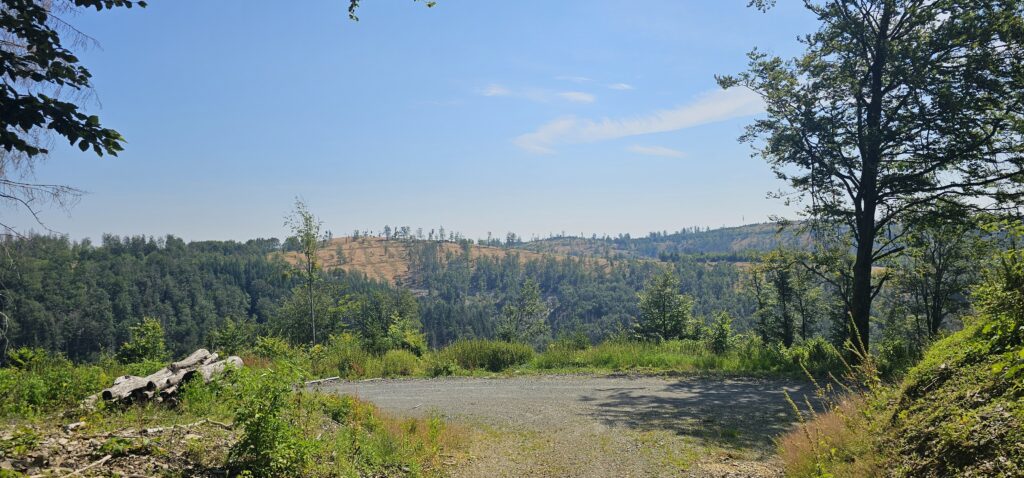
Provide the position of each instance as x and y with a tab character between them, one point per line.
860	300
936	315
867	194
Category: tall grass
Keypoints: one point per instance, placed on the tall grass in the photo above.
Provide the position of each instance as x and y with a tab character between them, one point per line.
837	442
747	355
490	355
345	357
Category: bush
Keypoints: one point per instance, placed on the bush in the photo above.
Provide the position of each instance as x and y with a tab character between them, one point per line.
146	343
47	383
347	352
438	366
27	358
575	340
720	333
754	354
270	445
817	355
400	363
491	355
274	348
558	355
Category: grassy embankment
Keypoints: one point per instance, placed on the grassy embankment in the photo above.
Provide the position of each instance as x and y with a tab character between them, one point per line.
251	422
959	412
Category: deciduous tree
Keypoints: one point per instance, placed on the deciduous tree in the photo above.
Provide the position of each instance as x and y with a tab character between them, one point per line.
894	107
306	229
665	314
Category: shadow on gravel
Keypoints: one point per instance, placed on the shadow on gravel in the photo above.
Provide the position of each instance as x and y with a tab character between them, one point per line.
728	413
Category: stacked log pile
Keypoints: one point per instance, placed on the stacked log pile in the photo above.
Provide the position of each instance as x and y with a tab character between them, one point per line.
164	384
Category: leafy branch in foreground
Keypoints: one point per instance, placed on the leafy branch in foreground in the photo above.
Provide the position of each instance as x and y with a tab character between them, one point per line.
42	96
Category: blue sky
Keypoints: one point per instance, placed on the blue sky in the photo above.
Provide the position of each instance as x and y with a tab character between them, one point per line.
532	116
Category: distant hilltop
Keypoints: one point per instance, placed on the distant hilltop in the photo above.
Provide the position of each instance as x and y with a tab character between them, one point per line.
397	261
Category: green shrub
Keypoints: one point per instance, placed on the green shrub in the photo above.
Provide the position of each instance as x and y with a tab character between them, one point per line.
438	366
720	333
816	354
48	384
146	343
28	358
21	441
575	340
558	355
491	355
754	354
400	363
270	446
348	355
233	336
274	348
120	446
339	408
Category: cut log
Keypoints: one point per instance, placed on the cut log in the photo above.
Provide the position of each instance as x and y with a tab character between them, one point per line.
209	370
177	378
193	360
168	392
158	379
164	384
167	378
125	388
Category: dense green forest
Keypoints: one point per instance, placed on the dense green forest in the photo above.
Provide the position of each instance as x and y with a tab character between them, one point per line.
732	243
79	298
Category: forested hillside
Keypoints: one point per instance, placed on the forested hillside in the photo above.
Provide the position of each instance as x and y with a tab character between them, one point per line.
80	298
735	243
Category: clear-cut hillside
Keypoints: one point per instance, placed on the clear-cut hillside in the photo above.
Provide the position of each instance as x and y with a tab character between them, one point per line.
393	261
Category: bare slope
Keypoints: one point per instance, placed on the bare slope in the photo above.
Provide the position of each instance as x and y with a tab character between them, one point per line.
391	260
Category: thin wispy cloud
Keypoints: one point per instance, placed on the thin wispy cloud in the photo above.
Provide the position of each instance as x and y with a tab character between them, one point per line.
536	95
574	79
620	86
718	105
495	90
577	97
656	151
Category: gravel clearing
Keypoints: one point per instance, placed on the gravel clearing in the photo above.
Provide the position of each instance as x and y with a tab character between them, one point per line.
588	426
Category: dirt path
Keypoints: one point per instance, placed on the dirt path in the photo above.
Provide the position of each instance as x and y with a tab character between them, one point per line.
602	426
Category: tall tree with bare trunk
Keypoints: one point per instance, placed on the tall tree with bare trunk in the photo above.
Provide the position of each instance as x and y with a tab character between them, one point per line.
895	107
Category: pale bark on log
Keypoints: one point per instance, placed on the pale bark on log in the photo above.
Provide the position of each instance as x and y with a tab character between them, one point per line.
157	379
209	370
165	383
194	359
125	388
169	392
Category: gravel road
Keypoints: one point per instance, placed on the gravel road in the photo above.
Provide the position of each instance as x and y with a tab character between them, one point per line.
590	426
